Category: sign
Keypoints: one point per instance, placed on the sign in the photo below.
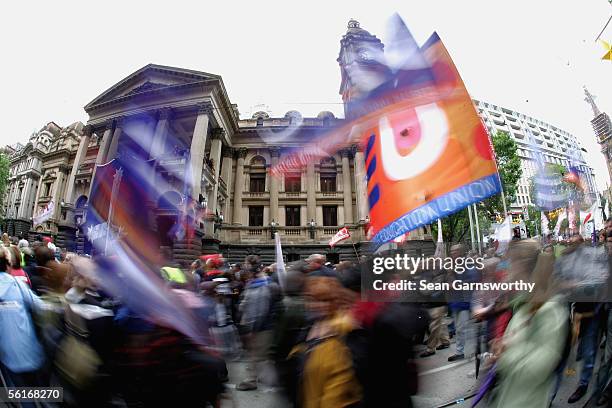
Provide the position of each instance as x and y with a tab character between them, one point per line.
340	236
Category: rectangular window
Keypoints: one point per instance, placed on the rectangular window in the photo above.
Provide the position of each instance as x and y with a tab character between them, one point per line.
328	183
256	216
293	182
47	189
330	215
257	183
292	216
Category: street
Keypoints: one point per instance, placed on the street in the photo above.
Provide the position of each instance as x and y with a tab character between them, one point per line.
440	382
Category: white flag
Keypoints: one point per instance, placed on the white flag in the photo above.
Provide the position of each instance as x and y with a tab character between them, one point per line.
544	223
44	214
440	248
340	236
280	262
503	234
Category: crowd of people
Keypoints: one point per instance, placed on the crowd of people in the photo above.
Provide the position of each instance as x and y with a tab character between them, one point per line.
329	345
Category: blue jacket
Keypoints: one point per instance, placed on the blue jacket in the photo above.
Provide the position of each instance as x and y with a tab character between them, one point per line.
20	350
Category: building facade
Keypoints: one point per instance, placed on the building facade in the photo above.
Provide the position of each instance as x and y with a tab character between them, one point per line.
184	122
533	135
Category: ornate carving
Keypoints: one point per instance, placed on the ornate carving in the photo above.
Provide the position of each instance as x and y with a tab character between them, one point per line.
241	152
87	130
205	107
109	124
217	133
345	153
227	151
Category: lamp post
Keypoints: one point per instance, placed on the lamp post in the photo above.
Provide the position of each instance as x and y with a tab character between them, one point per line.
273	225
312	224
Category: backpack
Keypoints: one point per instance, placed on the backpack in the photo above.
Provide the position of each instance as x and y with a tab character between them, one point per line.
75	359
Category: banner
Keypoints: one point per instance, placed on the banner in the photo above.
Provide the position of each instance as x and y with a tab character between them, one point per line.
340	236
44	214
430	159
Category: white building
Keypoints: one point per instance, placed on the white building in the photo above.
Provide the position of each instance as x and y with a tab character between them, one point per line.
530	134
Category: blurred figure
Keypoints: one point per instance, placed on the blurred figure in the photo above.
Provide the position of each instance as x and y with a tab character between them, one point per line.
438	338
258	313
317	268
21	354
15	266
460	304
532	345
328	377
288	332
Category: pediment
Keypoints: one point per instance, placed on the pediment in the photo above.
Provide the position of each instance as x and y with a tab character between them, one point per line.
150	78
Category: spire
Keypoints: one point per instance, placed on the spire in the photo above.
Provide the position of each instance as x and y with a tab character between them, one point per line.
590	99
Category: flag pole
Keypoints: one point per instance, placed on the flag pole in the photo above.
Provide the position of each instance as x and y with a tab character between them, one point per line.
478	240
469	208
354	248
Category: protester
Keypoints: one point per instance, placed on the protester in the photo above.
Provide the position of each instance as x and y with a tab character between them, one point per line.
328	376
532	345
316	267
258	314
21	354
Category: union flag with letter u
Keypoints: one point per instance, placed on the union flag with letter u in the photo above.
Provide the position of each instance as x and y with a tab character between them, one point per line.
428	154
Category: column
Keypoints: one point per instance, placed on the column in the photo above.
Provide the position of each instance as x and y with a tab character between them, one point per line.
275	154
198	144
361	187
346	186
57	189
215	156
114	143
311	198
78	160
226	175
238	186
26	200
105	144
160	133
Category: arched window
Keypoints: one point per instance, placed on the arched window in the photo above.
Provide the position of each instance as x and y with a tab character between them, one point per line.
260	121
81	202
328	175
257	173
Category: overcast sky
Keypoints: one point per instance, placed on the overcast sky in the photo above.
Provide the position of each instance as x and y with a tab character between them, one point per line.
530	56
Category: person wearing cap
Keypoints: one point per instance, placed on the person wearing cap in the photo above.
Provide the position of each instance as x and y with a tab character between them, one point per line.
316	267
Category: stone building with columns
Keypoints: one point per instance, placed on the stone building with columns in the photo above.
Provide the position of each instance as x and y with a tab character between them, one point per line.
40	173
184	121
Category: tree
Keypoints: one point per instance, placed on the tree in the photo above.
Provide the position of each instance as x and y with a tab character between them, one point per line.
4	176
456	226
510	172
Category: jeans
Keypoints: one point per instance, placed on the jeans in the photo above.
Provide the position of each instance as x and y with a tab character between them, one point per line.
257	352
587	348
461	319
605	369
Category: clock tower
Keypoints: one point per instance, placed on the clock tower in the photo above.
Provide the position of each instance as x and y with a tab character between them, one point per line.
362	64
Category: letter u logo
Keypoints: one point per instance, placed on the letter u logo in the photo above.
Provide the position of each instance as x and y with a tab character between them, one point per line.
430	146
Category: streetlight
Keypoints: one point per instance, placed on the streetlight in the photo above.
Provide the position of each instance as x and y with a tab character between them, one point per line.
312	225
273	225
